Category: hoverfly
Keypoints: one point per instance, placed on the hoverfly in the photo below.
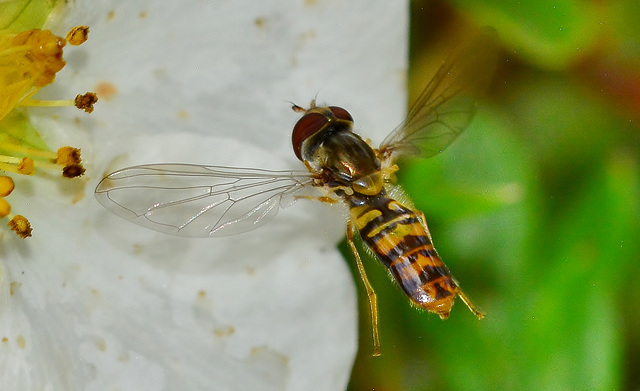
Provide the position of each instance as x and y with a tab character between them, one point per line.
210	201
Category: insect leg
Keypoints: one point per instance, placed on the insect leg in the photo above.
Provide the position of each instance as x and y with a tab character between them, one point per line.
465	299
326	199
469	304
371	294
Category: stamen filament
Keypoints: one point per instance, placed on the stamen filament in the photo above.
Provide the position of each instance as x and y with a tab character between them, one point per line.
7	162
10	159
10	168
46	165
47	103
28	151
17	165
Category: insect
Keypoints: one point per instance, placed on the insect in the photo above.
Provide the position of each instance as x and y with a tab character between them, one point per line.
202	201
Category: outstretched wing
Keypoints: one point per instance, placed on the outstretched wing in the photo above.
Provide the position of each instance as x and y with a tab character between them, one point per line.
197	201
447	104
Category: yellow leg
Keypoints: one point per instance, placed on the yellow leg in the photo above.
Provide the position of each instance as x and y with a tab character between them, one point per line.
460	293
328	200
469	304
373	301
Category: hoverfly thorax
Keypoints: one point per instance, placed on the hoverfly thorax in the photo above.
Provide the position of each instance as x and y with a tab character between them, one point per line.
324	140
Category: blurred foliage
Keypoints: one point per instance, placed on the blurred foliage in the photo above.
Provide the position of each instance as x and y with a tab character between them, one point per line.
535	209
19	15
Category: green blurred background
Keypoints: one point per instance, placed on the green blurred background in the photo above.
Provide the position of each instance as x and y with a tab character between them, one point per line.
535	208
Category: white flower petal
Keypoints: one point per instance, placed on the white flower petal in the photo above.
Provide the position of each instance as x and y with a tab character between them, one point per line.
99	303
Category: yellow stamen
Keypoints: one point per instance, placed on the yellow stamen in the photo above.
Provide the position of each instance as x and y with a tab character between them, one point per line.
17	165
29	61
21	226
77	35
73	171
6	185
26	166
68	156
83	102
42	164
47	103
42	56
32	152
5	208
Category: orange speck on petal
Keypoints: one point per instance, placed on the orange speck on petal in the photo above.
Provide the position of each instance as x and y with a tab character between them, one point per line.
106	90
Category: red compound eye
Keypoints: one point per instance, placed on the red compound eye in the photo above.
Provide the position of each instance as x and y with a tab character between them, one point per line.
308	125
341	113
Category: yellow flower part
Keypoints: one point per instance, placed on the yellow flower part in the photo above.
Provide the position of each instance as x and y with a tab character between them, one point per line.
78	35
21	226
18	223
5	207
29	60
6	186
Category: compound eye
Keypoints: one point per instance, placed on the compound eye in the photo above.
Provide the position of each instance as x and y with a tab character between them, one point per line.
307	126
341	113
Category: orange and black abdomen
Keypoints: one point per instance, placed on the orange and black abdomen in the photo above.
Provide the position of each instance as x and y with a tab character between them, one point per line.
401	242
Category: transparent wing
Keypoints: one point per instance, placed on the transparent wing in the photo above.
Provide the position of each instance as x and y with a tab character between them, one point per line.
447	104
198	201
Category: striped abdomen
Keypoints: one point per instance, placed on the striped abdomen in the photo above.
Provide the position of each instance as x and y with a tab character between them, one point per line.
401	241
